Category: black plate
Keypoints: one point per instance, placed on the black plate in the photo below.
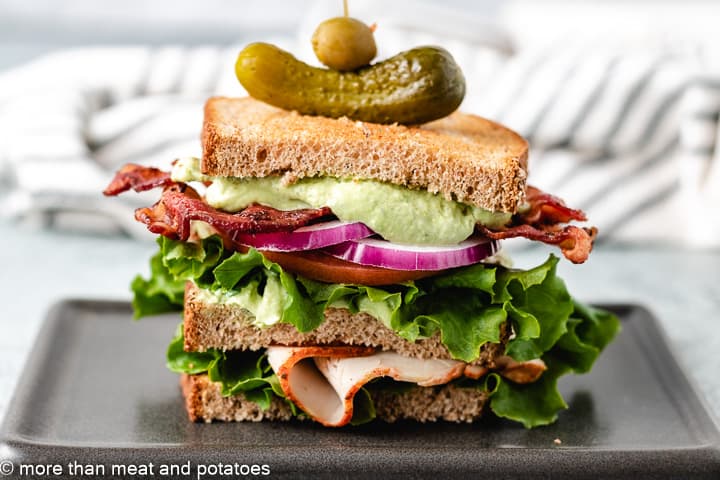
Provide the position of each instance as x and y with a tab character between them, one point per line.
96	392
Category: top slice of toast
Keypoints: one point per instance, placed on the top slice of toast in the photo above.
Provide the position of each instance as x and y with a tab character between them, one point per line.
462	157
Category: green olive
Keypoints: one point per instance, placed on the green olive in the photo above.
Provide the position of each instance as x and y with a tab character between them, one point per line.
344	43
413	87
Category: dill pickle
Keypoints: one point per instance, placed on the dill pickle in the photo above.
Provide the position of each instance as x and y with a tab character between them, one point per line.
413	87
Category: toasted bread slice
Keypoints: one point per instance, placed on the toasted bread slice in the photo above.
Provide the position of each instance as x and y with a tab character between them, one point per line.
205	402
462	157
228	327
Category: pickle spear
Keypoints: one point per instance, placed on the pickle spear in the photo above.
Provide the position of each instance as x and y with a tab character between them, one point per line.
413	87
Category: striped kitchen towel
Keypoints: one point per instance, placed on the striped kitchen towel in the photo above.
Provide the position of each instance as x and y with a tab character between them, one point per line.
629	135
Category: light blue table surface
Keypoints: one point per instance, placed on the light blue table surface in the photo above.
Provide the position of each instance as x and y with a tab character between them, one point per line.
681	288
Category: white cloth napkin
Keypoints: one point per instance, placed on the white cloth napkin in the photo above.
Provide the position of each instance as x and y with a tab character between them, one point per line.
628	134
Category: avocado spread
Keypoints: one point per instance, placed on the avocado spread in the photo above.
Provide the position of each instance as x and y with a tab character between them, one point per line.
265	308
397	214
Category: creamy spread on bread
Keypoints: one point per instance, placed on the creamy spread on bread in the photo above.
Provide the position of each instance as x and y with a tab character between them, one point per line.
397	214
265	308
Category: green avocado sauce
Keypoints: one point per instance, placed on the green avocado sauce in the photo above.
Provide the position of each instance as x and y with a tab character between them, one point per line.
397	214
265	309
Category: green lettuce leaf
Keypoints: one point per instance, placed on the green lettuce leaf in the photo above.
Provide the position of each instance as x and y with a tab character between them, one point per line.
532	404
191	261
238	372
363	408
298	308
465	322
180	361
589	331
173	265
161	293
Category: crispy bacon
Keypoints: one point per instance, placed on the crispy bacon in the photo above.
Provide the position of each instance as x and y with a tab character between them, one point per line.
138	178
546	209
180	204
574	242
541	220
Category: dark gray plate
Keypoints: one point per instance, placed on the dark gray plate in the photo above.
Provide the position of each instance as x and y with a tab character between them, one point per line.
95	391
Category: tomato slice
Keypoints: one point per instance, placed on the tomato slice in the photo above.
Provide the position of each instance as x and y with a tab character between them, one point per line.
325	268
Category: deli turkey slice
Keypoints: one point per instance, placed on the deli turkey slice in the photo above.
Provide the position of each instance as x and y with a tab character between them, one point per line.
323	381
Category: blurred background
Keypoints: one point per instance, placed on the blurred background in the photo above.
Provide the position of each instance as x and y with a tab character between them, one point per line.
620	101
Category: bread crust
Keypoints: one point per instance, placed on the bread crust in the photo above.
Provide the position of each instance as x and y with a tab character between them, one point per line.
204	403
228	327
462	157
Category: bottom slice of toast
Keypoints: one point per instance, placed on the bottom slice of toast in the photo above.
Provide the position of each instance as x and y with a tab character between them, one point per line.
205	402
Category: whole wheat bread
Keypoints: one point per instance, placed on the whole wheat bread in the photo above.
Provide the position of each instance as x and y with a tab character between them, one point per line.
228	327
205	402
462	157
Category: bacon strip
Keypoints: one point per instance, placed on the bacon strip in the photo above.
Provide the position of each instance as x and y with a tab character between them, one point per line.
548	209
541	221
181	204
574	242
138	178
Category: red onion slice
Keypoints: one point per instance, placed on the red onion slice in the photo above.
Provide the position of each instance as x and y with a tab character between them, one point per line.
310	237
381	253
